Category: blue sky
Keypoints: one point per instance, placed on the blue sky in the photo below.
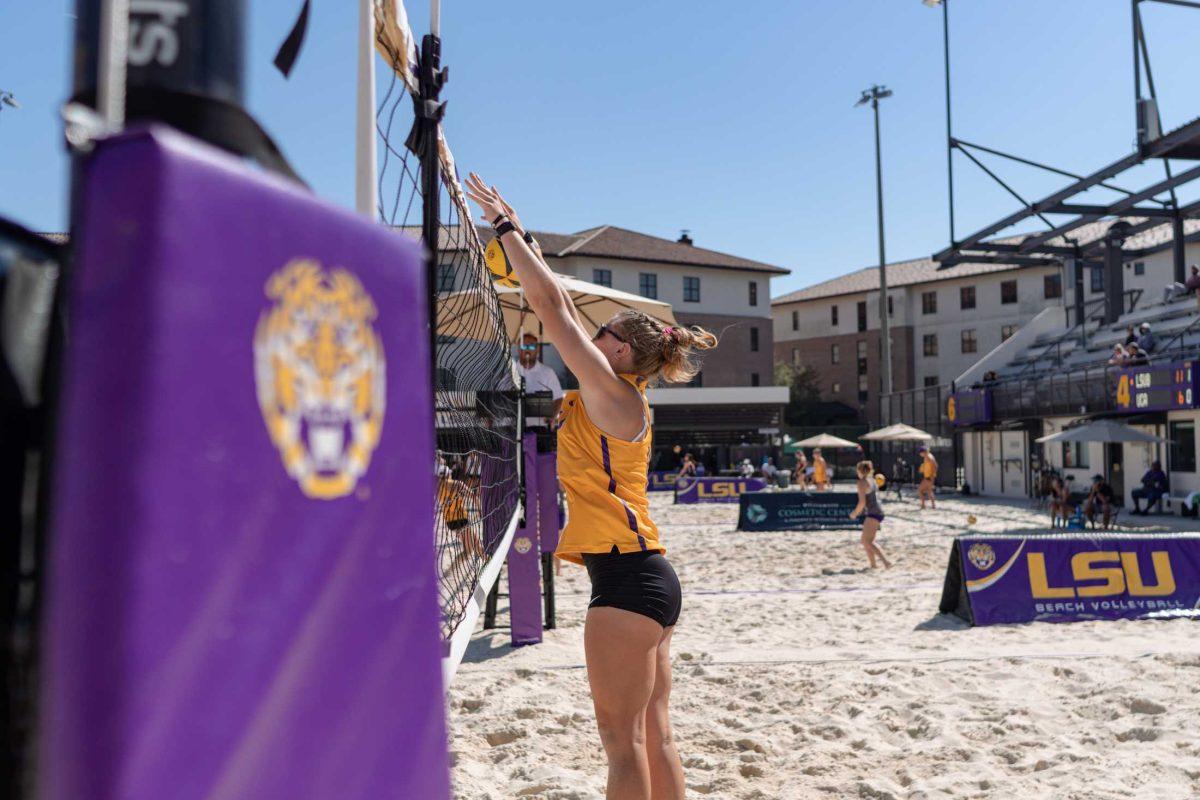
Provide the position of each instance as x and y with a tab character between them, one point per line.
733	120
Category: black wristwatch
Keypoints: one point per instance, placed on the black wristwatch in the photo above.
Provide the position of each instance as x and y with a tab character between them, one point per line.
505	227
529	240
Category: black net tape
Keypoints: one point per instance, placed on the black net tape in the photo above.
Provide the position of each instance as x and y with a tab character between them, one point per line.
477	405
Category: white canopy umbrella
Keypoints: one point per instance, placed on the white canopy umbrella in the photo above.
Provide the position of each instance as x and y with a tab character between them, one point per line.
824	440
463	313
898	433
1102	430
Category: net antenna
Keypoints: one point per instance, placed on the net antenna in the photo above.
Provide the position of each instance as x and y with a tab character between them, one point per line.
479	463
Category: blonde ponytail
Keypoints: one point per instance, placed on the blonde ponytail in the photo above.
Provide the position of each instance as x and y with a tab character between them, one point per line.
668	352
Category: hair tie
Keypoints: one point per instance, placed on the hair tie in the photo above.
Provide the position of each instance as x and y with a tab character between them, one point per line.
667	331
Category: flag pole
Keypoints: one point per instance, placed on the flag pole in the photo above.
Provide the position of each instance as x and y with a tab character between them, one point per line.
366	193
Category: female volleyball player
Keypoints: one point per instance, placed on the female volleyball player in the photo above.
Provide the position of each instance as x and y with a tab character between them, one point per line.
871	511
603	454
453	496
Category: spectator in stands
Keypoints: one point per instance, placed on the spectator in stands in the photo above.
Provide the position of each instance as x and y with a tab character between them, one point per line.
928	470
1060	505
746	468
1119	356
1135	356
1191	286
990	377
1154	486
1146	340
1130	336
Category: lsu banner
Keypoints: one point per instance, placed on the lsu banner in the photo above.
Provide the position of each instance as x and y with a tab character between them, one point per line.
782	511
995	580
969	407
716	490
661	481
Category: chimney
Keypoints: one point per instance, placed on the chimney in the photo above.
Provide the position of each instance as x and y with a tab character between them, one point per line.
684	237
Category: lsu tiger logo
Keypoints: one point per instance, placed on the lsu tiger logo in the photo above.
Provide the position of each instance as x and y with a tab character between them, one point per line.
319	373
981	555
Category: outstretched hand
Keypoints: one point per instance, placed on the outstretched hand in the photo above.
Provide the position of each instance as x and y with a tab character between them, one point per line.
489	201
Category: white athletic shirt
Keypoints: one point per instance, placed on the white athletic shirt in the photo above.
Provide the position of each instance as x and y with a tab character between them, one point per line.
540	378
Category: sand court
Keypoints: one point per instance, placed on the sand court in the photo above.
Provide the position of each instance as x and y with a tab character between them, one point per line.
799	673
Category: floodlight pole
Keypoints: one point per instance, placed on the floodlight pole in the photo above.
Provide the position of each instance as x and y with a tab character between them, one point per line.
874	95
949	135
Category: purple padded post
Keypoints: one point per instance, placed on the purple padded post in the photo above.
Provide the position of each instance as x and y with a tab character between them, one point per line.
525	562
241	583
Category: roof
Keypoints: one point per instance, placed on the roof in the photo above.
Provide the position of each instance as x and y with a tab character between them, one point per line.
926	270
901	273
609	241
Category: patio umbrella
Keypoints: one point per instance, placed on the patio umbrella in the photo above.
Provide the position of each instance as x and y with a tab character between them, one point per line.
897	433
1101	430
821	440
465	312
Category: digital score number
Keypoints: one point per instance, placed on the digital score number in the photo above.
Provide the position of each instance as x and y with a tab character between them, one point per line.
1156	388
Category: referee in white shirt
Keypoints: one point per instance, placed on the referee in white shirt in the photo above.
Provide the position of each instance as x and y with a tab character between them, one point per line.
538	377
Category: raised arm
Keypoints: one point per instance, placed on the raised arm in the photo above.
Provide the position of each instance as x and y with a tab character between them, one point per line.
609	399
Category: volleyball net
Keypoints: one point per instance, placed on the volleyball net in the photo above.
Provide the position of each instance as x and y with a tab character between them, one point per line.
475	389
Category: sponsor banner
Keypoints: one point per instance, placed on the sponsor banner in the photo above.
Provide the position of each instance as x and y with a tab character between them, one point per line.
782	511
661	481
995	580
241	571
969	407
716	490
1159	387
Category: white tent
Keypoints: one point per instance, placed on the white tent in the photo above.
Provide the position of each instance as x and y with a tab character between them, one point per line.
898	433
1102	430
460	313
824	440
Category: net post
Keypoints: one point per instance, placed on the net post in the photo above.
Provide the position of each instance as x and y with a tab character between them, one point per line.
430	111
366	199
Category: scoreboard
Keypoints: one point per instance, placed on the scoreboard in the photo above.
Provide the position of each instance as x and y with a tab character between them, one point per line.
1162	387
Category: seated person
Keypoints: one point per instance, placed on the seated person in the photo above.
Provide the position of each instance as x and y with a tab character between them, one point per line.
1119	356
1154	486
1146	340
1130	336
1135	356
1101	498
1190	286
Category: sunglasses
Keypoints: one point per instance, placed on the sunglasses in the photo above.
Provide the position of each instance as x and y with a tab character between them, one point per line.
529	347
603	329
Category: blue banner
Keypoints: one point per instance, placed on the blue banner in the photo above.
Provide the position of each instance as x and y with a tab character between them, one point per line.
996	580
782	511
716	490
661	480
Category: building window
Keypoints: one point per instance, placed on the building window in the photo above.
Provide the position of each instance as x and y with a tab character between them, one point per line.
1097	279
929	344
795	320
1139	268
691	289
753	293
602	277
1052	286
1008	292
863	384
836	388
835	354
445	279
1183	446
1075	455
754	340
929	302
796	356
648	285
966	297
931	380
1007	332
861	348
862	315
833	315
969	345
890	308
754	379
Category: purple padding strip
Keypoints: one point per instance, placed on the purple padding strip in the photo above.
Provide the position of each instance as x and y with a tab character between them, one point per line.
612	489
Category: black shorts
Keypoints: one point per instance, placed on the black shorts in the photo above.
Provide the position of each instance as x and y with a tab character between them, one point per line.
641	582
455	524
